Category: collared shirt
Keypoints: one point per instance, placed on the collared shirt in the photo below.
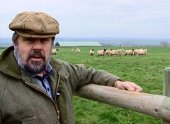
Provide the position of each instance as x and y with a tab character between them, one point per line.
44	81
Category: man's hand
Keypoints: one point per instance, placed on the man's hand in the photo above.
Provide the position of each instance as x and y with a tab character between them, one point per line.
126	85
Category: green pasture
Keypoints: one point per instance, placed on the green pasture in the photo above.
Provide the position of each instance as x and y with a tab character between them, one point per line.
146	71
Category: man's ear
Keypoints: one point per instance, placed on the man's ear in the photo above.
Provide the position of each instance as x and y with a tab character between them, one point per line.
15	38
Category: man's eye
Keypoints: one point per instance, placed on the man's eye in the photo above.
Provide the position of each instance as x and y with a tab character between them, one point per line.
29	39
44	40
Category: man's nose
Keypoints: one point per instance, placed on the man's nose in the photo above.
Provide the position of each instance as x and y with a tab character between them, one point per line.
37	44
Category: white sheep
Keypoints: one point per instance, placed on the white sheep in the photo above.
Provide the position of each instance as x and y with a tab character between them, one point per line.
91	52
140	51
101	52
116	52
54	51
129	52
77	50
107	52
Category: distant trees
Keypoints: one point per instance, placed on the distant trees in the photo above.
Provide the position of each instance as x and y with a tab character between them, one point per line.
164	43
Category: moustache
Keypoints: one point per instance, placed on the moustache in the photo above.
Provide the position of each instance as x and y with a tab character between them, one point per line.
36	54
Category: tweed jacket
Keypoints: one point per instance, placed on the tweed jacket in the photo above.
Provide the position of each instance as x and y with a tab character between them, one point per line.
22	101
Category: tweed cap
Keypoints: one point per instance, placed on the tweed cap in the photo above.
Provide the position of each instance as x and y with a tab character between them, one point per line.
34	24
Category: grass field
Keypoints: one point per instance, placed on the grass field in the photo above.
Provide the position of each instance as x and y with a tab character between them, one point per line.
146	71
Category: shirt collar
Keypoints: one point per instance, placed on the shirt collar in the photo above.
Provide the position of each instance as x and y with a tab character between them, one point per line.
49	68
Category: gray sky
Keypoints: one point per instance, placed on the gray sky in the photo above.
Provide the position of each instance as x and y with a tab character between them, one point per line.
97	18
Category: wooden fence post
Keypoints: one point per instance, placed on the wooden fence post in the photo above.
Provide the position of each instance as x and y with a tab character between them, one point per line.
166	86
155	105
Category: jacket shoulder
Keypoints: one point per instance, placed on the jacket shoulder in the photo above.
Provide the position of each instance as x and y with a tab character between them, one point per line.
3	86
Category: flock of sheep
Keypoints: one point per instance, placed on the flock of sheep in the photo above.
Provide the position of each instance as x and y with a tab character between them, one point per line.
110	52
119	52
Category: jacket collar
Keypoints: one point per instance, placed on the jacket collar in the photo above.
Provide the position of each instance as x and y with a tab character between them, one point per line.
60	68
8	63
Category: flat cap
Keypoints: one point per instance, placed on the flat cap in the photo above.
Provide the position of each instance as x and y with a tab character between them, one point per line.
34	24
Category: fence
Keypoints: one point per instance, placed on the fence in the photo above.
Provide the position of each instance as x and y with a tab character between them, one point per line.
150	104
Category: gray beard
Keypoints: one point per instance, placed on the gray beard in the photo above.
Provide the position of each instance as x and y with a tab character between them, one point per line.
34	68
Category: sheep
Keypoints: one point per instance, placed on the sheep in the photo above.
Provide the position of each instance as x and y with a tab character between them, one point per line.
91	52
77	50
140	51
129	52
107	52
54	51
116	52
101	52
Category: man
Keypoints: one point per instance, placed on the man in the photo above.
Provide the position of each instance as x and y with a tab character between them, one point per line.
34	88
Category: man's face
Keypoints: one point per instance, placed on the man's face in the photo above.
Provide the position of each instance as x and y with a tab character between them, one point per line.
33	54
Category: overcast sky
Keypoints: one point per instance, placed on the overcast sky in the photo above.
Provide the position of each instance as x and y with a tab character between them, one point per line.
97	18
